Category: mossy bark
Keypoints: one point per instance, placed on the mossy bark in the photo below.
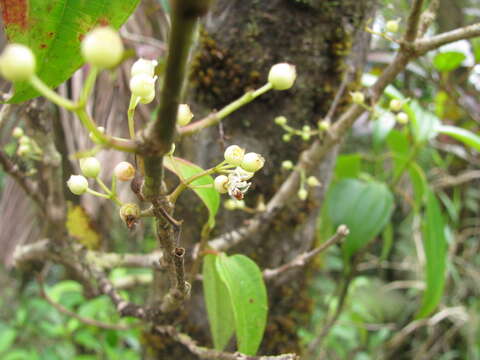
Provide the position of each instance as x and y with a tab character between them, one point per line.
240	41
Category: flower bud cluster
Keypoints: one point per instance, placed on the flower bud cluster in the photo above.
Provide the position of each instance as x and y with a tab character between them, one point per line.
396	105
27	147
305	133
246	165
142	81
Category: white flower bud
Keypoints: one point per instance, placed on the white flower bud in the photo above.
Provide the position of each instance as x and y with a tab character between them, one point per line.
234	155
395	105
17	133
252	162
282	76
281	120
221	184
358	97
77	184
124	171
149	98
102	47
402	118
324	125
287	165
144	66
90	167
23	150
94	138
142	85
184	115
24	140
392	26
302	194
17	62
312	181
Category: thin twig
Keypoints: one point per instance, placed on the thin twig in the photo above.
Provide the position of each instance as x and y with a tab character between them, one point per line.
211	354
25	183
303	259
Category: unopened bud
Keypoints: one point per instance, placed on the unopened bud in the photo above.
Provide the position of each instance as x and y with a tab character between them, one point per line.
102	47
234	155
124	171
392	26
252	162
286	137
90	167
221	184
402	118
17	133
184	115
23	150
77	184
144	66
302	194
324	125
282	76
280	120
358	97
395	105
17	62
287	165
142	85
313	181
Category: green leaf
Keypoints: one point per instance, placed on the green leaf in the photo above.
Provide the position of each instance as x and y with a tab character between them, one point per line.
467	137
365	207
219	307
7	337
382	127
209	196
348	165
54	29
448	61
391	91
435	246
419	183
424	123
248	296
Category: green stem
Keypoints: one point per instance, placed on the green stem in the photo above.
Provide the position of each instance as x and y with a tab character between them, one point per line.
243	100
184	184
215	118
116	143
88	87
51	95
103	186
99	194
131	113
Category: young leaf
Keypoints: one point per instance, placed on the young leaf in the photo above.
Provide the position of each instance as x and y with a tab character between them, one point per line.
424	123
435	245
217	300
365	207
248	296
54	30
463	135
448	61
209	196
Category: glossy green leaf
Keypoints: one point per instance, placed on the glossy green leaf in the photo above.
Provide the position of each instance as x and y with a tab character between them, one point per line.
248	296
435	246
348	165
365	207
467	137
382	127
54	29
217	300
448	61
209	196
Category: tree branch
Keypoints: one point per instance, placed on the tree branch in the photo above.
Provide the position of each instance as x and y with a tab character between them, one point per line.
303	259
211	354
424	45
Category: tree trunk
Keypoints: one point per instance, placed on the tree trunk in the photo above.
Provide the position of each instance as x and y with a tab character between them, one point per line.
239	43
